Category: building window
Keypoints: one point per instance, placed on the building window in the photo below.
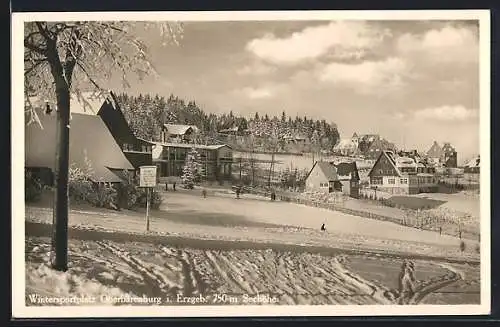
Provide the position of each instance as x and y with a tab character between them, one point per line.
391	181
377	181
403	180
144	148
127	147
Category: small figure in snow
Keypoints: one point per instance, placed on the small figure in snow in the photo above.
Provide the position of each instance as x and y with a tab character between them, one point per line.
323	228
174	185
238	190
166	186
204	193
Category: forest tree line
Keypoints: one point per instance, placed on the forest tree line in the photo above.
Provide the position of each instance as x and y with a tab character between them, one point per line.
146	115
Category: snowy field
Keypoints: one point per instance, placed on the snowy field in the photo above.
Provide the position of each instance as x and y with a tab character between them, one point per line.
460	202
250	249
116	273
224	218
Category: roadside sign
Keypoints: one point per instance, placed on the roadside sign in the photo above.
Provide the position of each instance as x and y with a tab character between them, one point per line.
147	176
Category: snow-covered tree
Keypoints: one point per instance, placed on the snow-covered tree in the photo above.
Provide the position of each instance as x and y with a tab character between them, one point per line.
63	59
192	170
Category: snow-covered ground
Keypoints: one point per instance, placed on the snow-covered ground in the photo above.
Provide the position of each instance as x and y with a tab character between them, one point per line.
269	222
206	246
123	273
460	202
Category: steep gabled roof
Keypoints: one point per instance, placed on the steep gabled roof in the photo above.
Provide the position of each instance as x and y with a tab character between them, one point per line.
347	168
327	169
176	129
390	156
381	144
435	151
90	140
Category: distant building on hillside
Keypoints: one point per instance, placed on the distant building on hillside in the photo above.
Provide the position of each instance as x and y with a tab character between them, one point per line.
450	156
445	156
348	175
472	166
175	133
402	175
346	147
322	178
377	147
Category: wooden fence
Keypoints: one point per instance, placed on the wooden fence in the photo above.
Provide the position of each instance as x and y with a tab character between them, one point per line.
419	221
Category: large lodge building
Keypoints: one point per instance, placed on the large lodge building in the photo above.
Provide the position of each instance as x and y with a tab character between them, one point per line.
402	173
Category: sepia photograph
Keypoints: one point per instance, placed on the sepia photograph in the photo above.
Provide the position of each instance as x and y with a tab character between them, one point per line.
251	163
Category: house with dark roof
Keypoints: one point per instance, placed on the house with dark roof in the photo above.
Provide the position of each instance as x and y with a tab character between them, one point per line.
348	176
377	147
91	146
322	178
401	175
216	160
449	156
176	133
445	156
105	105
137	150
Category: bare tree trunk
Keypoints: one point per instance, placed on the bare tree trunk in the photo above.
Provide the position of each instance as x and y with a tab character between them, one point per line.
61	200
62	74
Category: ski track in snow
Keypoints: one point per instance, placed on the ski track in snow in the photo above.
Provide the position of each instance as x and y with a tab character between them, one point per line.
293	278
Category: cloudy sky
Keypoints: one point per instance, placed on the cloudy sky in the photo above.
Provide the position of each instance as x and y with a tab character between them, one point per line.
413	82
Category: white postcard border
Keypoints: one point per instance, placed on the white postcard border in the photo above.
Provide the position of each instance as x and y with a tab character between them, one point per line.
19	308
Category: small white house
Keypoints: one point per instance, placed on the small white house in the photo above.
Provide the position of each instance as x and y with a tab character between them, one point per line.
322	178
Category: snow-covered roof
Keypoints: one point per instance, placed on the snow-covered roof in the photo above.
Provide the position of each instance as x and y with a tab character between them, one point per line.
405	162
190	145
473	163
176	129
345	144
87	103
328	170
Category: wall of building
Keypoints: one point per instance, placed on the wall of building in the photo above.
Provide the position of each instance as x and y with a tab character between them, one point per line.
317	182
407	184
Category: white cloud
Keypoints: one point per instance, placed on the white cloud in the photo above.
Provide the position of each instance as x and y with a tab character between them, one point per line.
256	69
346	39
454	44
257	93
446	113
367	76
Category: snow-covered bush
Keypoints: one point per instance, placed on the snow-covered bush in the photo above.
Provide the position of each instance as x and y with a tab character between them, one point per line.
155	199
81	188
104	196
135	196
